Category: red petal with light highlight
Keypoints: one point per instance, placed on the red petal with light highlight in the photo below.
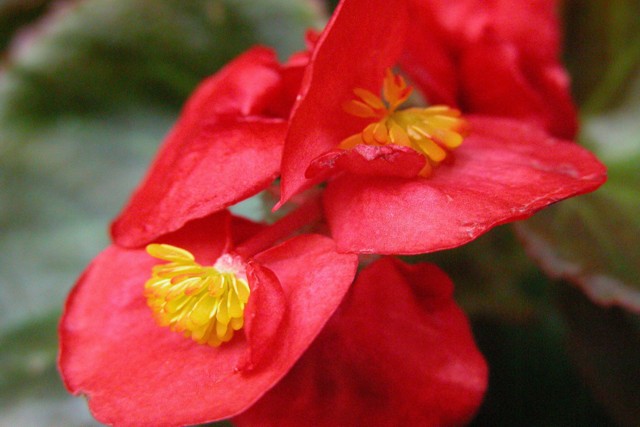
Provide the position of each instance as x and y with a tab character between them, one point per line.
397	352
509	86
504	171
264	314
511	21
363	38
428	58
482	58
202	166
387	160
135	372
201	176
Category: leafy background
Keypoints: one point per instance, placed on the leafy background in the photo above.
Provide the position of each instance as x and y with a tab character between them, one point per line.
88	88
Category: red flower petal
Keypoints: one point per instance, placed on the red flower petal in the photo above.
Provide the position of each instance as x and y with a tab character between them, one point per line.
505	171
511	21
482	56
137	373
437	76
315	279
387	160
397	352
264	314
201	176
363	38
202	166
244	228
509	86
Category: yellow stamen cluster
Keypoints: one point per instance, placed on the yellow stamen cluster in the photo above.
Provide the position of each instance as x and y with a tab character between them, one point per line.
204	303
431	131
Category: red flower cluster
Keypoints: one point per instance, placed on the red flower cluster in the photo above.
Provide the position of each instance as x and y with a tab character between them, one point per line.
238	319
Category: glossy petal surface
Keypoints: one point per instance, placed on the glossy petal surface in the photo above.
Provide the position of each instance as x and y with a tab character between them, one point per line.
397	352
137	373
201	168
483	59
363	38
505	171
514	86
388	160
509	20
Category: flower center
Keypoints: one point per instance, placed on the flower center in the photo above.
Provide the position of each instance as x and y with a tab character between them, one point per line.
206	304
432	131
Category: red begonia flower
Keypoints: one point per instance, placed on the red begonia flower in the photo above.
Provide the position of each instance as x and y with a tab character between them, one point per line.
505	170
137	373
397	352
235	120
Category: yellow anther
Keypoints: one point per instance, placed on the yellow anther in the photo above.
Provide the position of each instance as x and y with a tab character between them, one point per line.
431	131
206	304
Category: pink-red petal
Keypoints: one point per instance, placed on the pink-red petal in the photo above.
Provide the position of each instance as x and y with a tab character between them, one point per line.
504	171
137	373
202	166
510	21
193	178
315	279
483	59
363	38
397	352
428	57
512	86
386	160
263	315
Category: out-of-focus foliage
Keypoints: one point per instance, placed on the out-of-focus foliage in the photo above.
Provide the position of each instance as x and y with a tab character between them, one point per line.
604	345
602	50
593	240
16	13
87	92
532	383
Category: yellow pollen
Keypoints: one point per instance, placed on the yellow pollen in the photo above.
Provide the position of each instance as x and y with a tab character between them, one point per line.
431	131
206	304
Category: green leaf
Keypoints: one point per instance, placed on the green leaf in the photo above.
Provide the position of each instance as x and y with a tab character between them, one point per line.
531	380
593	240
31	392
492	276
28	357
98	55
604	344
602	49
16	13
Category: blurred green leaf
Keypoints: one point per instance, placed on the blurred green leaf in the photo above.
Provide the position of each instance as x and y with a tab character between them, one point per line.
98	55
593	240
492	274
16	13
28	358
531	381
602	49
604	343
31	392
59	191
